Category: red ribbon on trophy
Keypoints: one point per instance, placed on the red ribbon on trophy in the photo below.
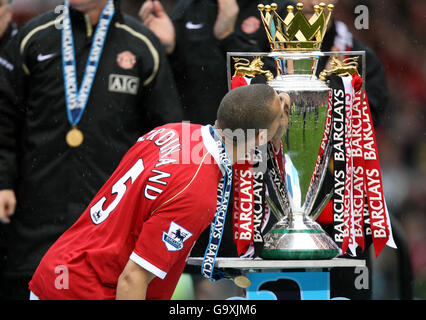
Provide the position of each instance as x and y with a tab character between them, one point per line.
358	199
242	215
249	204
379	216
239	81
358	209
358	164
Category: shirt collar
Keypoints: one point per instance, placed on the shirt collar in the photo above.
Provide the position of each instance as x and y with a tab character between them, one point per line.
211	146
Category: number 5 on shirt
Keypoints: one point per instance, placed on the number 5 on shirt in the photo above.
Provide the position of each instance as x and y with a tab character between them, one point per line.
97	213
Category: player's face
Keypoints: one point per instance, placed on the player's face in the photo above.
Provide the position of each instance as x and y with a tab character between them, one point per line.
281	107
285	114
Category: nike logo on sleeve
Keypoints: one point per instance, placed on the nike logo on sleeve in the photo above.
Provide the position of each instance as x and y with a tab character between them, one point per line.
44	57
193	26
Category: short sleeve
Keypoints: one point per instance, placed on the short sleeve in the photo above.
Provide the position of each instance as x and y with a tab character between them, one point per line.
168	236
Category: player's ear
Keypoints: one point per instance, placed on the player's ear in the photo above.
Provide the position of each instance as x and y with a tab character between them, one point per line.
261	137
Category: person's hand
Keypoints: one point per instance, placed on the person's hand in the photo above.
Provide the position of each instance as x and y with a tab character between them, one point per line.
7	205
156	19
5	18
226	17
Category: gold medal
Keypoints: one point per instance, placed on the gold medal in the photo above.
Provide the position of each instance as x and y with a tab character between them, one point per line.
242	282
74	137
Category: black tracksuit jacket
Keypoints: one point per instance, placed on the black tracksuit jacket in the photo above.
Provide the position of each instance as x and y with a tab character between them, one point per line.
52	181
199	59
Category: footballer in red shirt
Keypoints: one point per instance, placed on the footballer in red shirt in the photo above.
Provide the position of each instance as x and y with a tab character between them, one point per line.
133	239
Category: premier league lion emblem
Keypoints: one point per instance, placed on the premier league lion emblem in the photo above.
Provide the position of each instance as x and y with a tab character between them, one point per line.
175	237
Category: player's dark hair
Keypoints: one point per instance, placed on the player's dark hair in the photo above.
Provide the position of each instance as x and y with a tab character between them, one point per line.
247	107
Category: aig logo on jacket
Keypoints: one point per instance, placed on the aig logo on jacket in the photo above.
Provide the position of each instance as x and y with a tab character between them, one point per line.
123	84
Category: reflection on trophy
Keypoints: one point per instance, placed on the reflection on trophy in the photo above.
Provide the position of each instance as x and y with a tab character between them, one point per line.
293	199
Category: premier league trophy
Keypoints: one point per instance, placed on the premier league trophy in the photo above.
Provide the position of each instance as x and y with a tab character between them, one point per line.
296	235
295	43
326	161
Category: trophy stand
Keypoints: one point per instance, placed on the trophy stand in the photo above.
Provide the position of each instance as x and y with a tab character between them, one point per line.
282	279
301	238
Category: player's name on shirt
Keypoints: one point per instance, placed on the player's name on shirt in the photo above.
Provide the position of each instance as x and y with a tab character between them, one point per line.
169	144
186	148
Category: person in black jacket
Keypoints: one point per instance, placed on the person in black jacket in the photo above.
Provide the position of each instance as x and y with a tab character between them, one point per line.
197	36
7	27
7	31
339	38
56	153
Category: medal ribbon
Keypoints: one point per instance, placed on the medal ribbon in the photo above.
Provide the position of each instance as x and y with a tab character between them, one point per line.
76	99
218	224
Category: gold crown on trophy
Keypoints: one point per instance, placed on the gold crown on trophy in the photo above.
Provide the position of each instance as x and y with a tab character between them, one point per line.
295	32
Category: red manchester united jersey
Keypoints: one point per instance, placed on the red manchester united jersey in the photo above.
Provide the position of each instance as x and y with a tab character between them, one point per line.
152	209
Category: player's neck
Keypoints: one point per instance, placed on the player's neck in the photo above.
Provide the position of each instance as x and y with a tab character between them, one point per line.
229	145
95	13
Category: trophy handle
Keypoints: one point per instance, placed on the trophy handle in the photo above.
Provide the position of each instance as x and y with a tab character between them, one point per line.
277	213
317	185
317	211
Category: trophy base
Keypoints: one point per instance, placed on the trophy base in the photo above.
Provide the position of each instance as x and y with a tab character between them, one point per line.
299	254
285	254
304	239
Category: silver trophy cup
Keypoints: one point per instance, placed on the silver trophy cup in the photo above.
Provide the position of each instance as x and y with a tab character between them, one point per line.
297	199
296	235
